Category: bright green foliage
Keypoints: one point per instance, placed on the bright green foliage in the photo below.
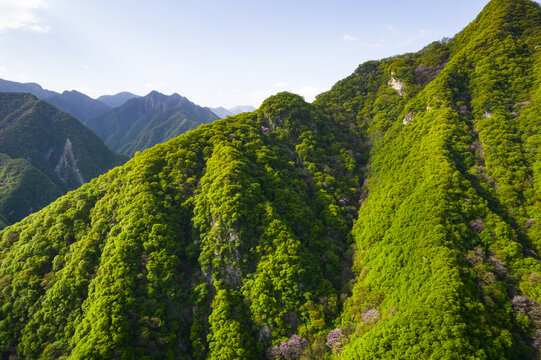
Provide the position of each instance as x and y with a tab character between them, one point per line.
43	153
219	243
445	238
397	217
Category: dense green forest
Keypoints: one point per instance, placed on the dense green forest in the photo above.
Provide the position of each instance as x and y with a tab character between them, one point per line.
44	153
396	217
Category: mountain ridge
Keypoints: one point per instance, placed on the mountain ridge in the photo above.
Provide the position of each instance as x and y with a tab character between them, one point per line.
118	99
145	121
73	102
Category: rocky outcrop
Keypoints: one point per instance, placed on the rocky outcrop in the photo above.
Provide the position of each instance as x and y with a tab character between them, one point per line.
397	85
67	165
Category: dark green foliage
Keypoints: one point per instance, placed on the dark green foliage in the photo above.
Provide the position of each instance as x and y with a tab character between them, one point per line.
143	122
44	153
23	189
397	217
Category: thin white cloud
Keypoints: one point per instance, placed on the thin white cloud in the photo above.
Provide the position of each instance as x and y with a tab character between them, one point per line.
389	27
21	15
348	37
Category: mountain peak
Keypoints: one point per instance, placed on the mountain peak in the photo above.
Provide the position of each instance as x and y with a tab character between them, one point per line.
117	99
145	121
155	93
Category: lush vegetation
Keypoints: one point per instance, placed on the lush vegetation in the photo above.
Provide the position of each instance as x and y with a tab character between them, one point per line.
43	153
23	189
396	217
143	122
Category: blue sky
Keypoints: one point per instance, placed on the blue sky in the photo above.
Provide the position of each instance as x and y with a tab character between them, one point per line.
216	53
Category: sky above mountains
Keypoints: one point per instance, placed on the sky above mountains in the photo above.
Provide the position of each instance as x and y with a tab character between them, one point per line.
216	53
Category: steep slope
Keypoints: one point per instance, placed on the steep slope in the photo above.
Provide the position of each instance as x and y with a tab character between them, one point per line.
23	189
45	150
397	217
167	247
118	99
146	121
447	239
79	105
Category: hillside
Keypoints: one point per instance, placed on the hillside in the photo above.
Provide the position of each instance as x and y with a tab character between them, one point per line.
44	153
146	121
23	189
396	217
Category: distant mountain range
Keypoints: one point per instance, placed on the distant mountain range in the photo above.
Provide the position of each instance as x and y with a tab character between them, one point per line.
146	121
44	152
77	104
223	112
118	99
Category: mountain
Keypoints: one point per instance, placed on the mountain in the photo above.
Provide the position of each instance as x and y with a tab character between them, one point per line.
396	217
73	102
32	88
24	189
146	121
79	105
222	112
44	152
240	109
118	99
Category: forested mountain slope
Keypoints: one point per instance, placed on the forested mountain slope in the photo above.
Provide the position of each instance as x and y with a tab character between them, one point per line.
44	152
446	242
397	217
149	120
